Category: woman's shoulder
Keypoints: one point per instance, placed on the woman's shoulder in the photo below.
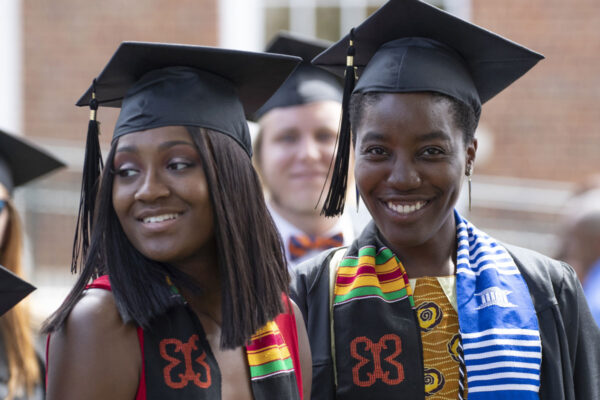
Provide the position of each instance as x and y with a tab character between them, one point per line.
95	309
545	277
93	349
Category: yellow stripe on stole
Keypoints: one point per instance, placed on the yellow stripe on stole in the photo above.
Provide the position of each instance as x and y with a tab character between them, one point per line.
270	328
269	354
370	279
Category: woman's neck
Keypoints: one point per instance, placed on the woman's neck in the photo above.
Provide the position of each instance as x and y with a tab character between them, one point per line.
436	257
203	270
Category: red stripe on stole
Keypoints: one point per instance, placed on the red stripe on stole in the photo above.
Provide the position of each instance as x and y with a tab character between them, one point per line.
265	342
389	276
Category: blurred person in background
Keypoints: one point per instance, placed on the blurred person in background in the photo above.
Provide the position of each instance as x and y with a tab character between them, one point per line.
580	242
294	148
423	304
21	375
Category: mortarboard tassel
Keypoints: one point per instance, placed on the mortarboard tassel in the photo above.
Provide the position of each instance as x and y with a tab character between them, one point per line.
336	196
92	168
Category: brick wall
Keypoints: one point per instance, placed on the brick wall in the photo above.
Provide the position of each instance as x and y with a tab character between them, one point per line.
547	125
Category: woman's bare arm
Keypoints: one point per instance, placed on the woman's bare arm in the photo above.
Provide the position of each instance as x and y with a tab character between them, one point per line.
304	353
94	355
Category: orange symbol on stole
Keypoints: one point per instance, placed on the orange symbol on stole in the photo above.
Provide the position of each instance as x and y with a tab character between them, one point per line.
189	375
375	350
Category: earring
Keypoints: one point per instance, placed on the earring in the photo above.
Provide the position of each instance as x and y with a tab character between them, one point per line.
357	197
469	172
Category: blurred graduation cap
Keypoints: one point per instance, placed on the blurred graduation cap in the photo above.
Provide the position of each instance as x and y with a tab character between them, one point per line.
163	84
307	84
411	46
12	289
22	161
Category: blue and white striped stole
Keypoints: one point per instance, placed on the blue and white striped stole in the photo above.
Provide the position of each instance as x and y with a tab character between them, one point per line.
498	323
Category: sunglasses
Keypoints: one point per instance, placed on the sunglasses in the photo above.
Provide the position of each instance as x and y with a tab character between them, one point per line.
3	204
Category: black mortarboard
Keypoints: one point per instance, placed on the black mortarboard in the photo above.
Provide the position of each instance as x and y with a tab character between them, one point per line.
160	84
12	289
307	84
411	46
21	161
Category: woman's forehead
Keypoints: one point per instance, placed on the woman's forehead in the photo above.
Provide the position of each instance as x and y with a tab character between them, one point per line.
155	137
414	111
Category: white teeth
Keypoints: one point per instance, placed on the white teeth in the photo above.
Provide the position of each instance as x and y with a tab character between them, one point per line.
406	208
159	218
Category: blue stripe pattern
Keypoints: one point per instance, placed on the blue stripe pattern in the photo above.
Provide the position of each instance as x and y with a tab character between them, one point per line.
498	323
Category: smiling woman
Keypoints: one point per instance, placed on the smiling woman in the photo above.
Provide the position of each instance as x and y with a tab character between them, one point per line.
423	304
190	296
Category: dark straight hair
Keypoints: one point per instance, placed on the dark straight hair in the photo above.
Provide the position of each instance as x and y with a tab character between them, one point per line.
252	267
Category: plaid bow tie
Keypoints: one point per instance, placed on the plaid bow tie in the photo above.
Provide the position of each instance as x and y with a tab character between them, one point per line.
299	245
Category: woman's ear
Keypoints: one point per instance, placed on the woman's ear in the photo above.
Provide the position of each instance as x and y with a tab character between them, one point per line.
470	155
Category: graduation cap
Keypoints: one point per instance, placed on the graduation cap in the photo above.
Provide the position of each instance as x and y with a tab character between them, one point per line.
162	84
12	289
410	46
21	161
307	84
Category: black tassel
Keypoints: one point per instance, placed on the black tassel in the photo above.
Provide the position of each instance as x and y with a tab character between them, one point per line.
92	168
336	196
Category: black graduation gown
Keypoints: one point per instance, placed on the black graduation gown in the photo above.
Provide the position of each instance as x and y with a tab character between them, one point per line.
570	338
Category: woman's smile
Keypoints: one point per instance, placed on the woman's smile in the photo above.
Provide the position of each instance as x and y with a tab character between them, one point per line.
405	207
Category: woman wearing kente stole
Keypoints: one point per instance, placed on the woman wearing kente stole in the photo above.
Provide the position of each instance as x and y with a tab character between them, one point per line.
182	290
423	304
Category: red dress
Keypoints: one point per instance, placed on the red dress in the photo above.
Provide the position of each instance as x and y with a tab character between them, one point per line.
286	323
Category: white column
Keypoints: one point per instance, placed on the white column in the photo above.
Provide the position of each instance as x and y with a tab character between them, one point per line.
303	17
459	8
353	12
241	24
11	45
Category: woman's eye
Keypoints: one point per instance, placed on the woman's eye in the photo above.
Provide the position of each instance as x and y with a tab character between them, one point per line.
176	166
433	151
376	151
126	172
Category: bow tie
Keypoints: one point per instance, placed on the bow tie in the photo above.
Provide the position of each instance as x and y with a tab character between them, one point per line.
300	245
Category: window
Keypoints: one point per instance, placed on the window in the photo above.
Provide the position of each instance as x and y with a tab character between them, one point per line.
250	24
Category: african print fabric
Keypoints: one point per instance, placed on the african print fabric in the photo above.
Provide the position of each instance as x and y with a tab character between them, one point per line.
438	321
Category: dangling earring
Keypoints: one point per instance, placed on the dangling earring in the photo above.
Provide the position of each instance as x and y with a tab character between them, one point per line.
357	197
469	172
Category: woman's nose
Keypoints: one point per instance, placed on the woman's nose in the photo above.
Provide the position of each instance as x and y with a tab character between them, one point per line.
152	187
404	175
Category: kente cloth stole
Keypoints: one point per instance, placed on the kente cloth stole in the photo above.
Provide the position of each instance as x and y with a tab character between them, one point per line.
378	345
498	322
376	334
180	364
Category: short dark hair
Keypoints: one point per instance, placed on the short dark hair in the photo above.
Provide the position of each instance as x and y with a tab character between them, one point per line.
252	267
464	116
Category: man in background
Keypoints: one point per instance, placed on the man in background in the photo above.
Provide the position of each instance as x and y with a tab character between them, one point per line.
294	148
